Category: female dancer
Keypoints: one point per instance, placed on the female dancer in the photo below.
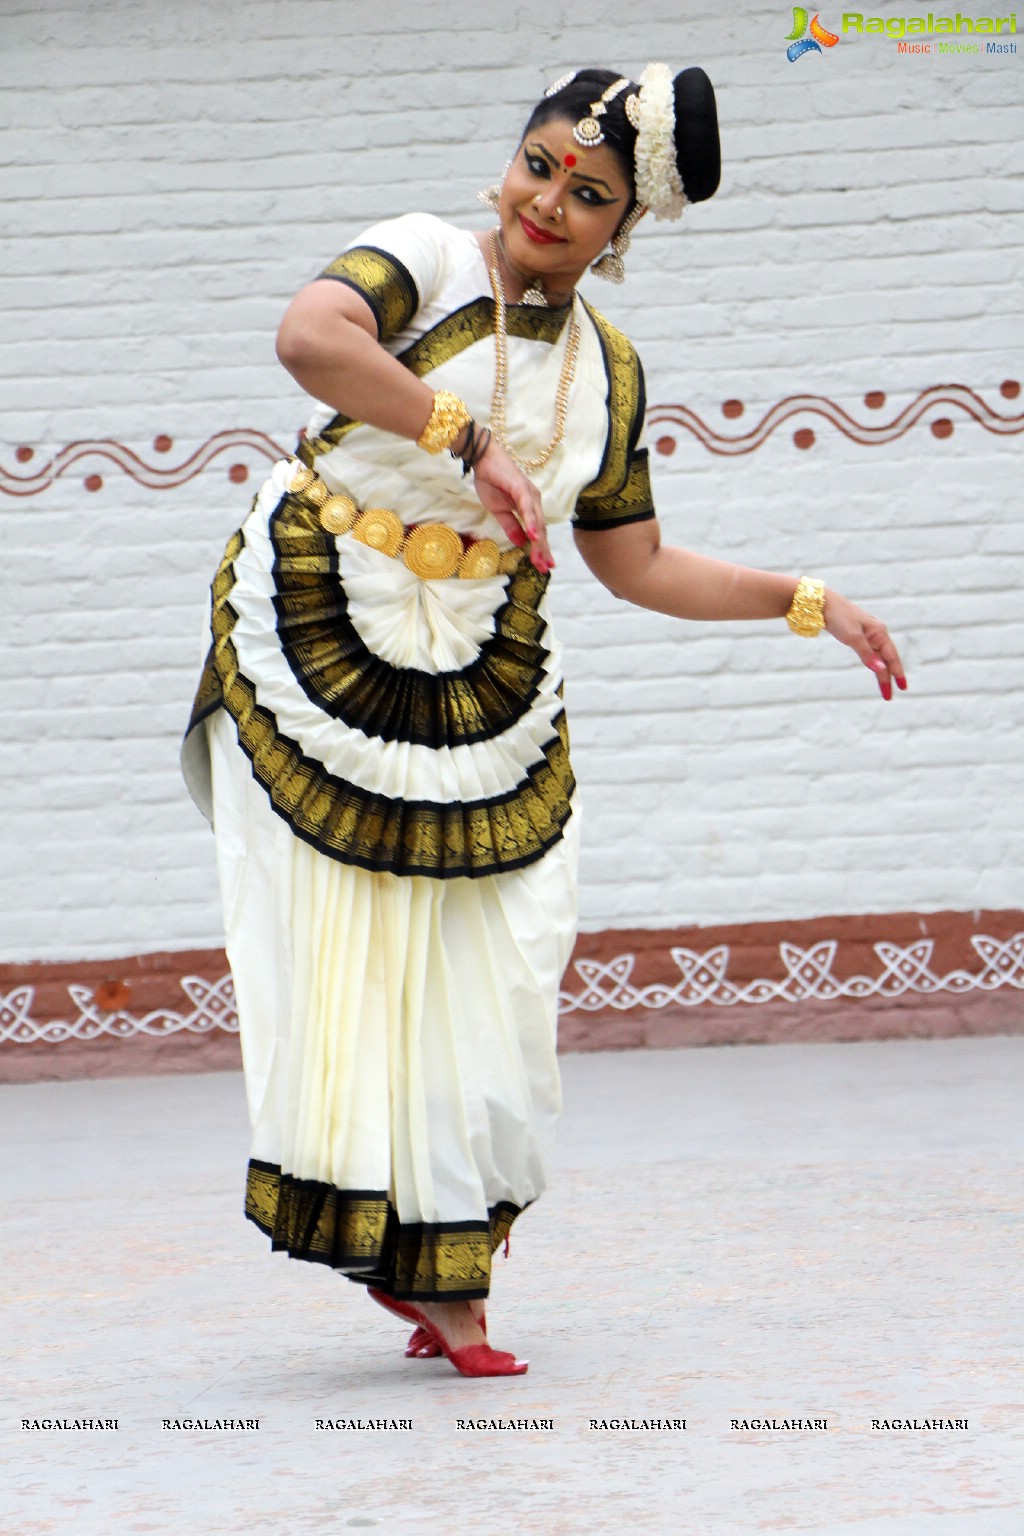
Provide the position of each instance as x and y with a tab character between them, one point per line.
378	735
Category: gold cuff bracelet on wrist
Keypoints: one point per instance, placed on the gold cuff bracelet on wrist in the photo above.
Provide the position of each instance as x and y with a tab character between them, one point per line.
806	614
447	421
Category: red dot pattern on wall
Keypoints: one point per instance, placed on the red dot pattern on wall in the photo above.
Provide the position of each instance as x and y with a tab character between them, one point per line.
112	996
678	424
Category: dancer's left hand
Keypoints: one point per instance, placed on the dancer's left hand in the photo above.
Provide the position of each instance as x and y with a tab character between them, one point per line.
868	637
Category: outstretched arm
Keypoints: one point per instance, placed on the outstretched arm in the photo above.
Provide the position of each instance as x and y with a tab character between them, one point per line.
633	564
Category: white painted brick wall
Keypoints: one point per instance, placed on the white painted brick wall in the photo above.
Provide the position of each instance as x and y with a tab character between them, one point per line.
173	173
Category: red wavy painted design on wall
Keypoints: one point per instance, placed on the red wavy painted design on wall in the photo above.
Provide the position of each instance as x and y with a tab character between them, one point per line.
954	397
154	477
937	406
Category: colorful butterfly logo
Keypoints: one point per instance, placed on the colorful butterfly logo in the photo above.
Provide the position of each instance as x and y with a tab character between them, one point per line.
799	44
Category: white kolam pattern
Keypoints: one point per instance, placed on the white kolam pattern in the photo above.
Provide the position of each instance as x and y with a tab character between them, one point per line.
703	980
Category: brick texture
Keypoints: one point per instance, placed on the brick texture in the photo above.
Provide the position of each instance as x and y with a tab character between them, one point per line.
172	174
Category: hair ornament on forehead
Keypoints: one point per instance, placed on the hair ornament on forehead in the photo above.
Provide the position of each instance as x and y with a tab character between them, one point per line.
658	184
561	83
587	132
675	157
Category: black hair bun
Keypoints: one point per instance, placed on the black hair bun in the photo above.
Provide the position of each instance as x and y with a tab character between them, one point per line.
698	150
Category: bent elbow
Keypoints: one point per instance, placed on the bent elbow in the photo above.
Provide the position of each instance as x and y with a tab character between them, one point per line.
292	344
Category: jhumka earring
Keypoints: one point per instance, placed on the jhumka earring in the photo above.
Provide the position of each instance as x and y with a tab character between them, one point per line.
610	266
489	195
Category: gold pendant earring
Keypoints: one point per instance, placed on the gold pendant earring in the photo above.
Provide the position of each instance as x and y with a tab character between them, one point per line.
611	266
490	196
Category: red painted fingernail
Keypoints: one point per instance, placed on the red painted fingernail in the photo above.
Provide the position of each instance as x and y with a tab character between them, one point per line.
886	690
901	682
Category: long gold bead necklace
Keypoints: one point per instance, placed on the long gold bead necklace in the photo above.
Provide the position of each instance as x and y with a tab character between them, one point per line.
497	422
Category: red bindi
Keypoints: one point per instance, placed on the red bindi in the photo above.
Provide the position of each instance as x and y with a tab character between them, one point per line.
570	161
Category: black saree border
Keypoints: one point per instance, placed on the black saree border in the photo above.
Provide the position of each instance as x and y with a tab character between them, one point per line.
357	1231
383	281
341	676
632	504
621	491
474	322
463	328
442	840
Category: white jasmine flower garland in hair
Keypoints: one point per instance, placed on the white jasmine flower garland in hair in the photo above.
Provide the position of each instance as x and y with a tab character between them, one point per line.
658	186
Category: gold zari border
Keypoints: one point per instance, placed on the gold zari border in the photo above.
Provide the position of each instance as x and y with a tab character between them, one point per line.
358	1232
452	335
632	504
381	279
621	491
339	674
438	839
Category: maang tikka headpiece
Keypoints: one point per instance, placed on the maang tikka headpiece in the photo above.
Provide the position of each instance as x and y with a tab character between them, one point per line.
651	111
587	132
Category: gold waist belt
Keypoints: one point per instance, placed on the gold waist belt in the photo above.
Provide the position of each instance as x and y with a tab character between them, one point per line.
431	551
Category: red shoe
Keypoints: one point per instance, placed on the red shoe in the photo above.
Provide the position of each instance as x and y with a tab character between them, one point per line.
482	1360
471	1359
423	1346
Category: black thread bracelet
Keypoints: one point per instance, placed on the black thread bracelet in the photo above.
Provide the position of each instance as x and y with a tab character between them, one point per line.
480	448
474	448
467	450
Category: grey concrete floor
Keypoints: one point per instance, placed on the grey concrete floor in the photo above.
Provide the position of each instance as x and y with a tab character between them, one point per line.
808	1231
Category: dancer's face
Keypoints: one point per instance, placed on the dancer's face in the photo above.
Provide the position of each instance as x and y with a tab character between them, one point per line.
561	204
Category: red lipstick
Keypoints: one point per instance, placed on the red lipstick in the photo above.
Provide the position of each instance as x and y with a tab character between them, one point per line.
539	236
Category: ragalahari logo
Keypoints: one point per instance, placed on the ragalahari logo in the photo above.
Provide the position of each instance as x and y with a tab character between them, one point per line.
799	44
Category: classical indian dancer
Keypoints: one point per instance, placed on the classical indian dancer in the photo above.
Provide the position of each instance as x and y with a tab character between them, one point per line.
379	735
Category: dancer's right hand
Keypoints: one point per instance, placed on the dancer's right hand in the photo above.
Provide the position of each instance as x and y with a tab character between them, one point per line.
510	497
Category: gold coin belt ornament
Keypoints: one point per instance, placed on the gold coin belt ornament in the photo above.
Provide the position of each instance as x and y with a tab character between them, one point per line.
501	374
447	420
806	614
380	529
432	551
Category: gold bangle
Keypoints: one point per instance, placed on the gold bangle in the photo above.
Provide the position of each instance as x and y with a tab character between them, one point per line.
806	614
447	420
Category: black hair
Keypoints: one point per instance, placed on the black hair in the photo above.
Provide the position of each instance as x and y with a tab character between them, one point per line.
573	102
698	153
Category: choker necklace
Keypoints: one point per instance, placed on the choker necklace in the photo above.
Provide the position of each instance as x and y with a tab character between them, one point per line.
533	292
501	373
533	288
